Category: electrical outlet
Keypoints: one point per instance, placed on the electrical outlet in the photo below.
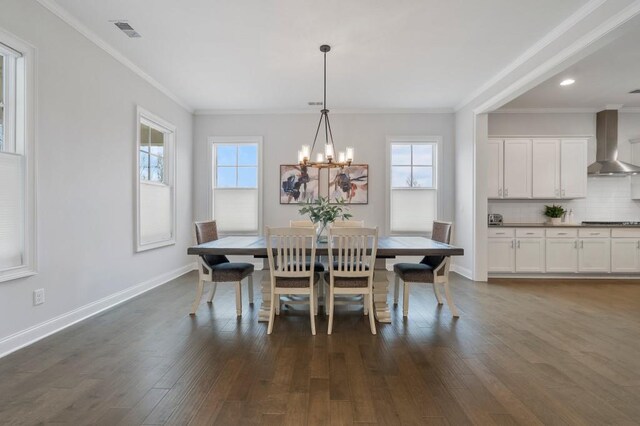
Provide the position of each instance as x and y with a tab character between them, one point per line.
38	296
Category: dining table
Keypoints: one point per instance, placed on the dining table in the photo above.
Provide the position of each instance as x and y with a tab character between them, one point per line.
388	248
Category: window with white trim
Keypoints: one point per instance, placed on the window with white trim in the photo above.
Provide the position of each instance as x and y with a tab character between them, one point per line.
156	176
413	185
235	166
17	183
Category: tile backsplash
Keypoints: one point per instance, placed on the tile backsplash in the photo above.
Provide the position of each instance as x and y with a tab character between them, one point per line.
608	199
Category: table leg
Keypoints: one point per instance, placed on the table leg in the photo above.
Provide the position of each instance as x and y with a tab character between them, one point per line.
381	291
265	286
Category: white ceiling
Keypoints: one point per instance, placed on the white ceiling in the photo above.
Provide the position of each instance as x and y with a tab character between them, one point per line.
603	78
263	54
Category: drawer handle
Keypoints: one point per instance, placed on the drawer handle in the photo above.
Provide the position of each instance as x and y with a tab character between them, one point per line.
500	233
562	233
530	233
594	233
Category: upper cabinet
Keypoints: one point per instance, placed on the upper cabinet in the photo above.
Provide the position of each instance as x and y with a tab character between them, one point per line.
635	159
543	168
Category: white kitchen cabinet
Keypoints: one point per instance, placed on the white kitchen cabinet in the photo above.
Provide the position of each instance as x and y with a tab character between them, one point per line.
625	255
635	160
594	255
501	255
530	255
561	255
495	168
573	168
545	168
517	168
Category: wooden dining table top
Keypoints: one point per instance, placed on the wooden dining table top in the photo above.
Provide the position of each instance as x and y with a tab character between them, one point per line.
388	247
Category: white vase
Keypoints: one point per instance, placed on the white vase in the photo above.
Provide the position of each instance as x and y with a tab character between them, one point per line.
555	220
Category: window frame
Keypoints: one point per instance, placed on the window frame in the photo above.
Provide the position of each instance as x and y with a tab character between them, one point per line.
23	139
146	117
436	141
235	140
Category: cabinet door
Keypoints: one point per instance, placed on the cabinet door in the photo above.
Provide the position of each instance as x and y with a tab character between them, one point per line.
625	255
594	255
573	168
501	255
495	168
545	168
517	168
561	255
530	255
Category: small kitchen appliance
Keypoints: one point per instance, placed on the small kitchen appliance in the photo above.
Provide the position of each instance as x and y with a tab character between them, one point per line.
495	219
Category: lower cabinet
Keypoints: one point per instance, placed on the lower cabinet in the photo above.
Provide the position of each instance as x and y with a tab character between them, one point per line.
594	255
562	255
502	255
530	255
625	255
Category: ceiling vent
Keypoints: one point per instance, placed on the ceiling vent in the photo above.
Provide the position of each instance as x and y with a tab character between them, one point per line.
127	29
314	103
635	91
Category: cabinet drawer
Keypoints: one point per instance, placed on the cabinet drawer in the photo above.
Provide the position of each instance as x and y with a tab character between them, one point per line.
594	233
625	233
501	232
529	232
562	233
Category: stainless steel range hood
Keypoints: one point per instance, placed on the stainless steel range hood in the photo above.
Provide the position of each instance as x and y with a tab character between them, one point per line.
607	163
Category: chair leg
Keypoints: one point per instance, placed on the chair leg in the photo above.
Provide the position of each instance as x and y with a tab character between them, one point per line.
272	312
214	286
250	288
396	289
330	327
365	304
239	298
452	306
277	302
372	321
315	300
437	292
196	302
312	309
405	300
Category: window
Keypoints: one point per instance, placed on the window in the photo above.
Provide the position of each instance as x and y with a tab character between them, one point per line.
236	197
17	178
413	184
155	187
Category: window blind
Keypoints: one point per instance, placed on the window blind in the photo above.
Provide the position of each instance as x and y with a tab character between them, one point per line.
236	210
11	210
155	213
413	210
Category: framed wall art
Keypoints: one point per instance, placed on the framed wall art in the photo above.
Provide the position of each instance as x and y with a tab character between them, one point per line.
350	184
298	184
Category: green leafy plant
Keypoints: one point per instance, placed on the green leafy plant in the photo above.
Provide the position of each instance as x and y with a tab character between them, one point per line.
554	211
321	211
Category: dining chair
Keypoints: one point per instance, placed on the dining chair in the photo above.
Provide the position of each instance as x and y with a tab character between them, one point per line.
288	250
217	268
318	266
352	256
431	270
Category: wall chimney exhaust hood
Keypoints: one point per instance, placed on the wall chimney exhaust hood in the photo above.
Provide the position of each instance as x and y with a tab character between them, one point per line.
607	163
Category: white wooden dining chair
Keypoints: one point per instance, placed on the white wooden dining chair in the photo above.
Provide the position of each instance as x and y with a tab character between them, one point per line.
432	270
318	266
288	250
352	256
348	224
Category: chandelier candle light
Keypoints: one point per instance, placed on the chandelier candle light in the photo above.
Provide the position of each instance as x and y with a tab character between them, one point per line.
328	160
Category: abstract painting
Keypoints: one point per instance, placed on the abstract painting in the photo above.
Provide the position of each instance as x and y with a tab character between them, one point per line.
350	184
298	184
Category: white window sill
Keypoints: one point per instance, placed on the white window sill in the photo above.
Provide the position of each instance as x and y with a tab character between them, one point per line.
151	246
15	275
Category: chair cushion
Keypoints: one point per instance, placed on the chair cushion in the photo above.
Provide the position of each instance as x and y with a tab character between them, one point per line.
235	271
214	259
295	282
342	282
433	261
414	272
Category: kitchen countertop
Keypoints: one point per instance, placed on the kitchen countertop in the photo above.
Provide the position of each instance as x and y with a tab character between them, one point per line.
563	225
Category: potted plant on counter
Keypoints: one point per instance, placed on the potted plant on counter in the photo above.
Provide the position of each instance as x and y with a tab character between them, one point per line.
554	213
322	213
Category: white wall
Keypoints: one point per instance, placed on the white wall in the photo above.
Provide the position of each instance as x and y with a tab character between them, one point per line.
284	133
608	198
85	137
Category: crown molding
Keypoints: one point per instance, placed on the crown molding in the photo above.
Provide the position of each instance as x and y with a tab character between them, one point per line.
545	41
561	110
316	111
62	13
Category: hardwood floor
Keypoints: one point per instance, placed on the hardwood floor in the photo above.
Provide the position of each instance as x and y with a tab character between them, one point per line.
526	352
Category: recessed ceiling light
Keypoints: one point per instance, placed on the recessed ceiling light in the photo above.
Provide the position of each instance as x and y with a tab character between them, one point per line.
567	82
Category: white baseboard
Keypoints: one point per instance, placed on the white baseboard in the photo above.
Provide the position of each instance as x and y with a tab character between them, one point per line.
465	272
31	335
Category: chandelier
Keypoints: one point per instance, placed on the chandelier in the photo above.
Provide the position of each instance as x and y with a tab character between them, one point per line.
328	159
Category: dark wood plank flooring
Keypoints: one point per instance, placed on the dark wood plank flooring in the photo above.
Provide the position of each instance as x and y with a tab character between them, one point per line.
526	352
